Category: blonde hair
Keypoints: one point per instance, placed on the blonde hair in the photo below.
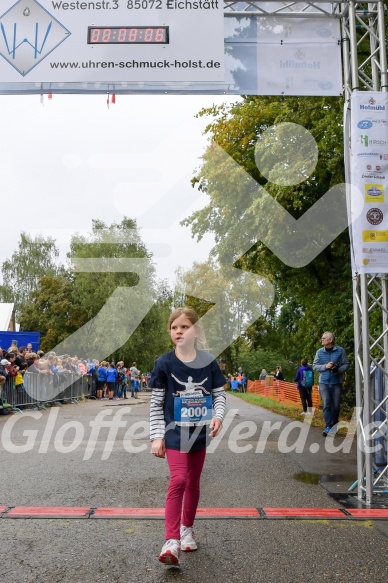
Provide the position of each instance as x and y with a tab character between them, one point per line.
193	317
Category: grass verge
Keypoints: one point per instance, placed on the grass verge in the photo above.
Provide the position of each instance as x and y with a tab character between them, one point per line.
282	409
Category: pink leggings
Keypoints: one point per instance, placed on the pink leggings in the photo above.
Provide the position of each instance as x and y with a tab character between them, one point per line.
185	475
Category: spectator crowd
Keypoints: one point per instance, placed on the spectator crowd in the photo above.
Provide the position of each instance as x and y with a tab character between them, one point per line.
105	380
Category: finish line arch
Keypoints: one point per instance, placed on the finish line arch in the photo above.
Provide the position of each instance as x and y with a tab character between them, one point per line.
343	24
171	46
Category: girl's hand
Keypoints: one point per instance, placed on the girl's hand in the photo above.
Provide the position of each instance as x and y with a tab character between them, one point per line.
215	426
158	448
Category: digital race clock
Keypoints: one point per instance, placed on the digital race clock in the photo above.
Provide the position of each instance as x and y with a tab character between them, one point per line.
99	35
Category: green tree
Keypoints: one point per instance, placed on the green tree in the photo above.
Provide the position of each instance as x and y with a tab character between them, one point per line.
34	257
73	309
53	310
117	261
236	300
309	299
253	361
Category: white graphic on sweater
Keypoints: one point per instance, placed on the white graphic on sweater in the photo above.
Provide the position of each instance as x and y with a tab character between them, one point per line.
191	387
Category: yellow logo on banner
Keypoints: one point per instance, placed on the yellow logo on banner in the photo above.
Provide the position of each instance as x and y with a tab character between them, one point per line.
371	236
374	193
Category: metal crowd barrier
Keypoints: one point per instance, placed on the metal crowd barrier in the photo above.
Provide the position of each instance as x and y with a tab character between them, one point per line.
41	389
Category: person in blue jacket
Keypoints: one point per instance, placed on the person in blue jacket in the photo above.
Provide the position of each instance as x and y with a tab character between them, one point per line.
304	392
234	385
101	378
331	362
111	376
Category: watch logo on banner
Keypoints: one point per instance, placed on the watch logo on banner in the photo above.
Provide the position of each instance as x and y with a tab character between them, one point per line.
28	34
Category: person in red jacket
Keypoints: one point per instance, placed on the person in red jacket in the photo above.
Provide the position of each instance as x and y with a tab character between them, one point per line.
11	367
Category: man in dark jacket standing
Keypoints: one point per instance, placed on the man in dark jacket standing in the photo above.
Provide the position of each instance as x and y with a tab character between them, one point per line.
331	362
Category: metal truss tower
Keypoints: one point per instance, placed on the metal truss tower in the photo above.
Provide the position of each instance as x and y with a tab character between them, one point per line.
365	69
364	56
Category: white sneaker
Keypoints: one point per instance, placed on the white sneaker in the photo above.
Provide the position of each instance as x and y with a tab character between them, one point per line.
187	539
170	552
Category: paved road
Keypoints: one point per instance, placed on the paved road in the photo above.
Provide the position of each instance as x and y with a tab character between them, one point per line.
68	462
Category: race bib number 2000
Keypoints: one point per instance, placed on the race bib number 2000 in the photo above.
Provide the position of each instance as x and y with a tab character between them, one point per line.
193	410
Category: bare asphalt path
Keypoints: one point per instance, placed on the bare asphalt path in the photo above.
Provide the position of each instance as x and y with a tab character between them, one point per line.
59	457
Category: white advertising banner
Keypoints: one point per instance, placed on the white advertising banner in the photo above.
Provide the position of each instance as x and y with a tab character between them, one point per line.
284	55
299	69
111	40
299	56
369	173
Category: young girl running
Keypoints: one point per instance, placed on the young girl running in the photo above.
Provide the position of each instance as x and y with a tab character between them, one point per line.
187	385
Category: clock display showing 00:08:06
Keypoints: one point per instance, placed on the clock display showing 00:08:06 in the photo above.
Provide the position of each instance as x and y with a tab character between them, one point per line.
128	35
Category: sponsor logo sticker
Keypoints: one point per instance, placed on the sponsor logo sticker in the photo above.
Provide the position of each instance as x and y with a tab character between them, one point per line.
374	192
364	124
374	216
375	236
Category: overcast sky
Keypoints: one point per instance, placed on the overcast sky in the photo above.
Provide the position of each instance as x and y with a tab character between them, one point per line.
73	159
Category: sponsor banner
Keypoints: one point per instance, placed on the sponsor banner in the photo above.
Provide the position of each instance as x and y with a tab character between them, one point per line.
111	40
369	173
299	69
